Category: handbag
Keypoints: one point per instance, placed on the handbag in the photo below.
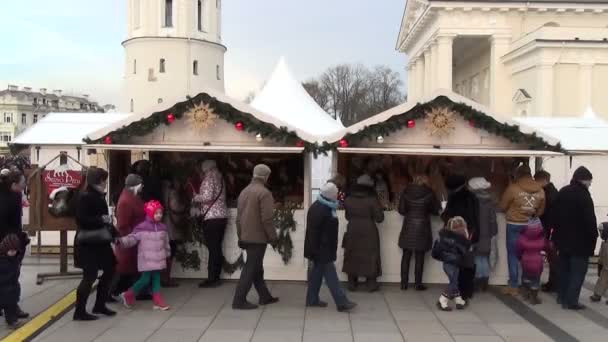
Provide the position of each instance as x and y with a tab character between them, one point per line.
96	236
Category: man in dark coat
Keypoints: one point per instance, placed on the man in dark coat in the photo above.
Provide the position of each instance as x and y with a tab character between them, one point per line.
417	204
463	203
544	179
320	247
575	236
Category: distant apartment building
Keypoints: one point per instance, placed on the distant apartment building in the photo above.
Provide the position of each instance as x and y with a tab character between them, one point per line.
22	107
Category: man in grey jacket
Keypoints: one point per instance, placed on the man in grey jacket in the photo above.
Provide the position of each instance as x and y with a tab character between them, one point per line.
255	230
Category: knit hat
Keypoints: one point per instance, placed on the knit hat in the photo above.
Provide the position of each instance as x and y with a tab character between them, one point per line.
458	225
208	165
261	171
479	183
10	242
96	175
133	180
330	191
365	180
582	174
454	182
152	207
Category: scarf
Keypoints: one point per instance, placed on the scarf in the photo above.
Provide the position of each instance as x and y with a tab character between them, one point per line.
333	205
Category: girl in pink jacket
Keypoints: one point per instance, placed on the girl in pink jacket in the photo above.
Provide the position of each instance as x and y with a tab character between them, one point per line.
152	253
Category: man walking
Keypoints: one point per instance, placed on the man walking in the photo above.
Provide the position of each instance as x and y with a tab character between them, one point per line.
575	236
255	230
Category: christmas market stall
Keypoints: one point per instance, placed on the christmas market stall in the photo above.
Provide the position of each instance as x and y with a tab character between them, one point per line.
443	134
176	140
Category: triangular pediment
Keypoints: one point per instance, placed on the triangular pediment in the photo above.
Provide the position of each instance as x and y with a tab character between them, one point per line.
413	11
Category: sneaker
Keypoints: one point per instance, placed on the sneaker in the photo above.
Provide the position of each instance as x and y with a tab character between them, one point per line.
159	302
128	299
319	304
444	303
347	307
460	303
595	298
244	306
269	301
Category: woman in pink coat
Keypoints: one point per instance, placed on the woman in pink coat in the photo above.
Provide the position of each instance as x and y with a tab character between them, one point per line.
153	249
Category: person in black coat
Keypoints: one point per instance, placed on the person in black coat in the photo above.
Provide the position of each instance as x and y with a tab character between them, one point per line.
12	184
92	214
10	289
463	203
417	204
575	236
544	179
320	247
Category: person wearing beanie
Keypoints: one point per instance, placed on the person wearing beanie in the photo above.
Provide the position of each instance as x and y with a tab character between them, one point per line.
92	214
530	245
417	203
575	236
463	203
486	247
320	248
129	213
522	200
255	230
212	210
451	248
361	241
153	250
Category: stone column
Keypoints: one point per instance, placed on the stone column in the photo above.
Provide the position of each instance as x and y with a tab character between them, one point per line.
585	86
420	77
444	62
427	72
411	67
544	85
434	66
500	80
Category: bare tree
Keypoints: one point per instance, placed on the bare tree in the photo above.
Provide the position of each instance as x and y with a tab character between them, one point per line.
353	92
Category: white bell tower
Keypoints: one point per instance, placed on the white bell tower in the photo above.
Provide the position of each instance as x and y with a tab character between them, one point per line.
173	49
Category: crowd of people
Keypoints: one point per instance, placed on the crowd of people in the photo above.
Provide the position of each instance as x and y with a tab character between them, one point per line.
135	255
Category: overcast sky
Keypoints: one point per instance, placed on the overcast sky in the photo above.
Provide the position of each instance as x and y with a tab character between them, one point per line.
74	45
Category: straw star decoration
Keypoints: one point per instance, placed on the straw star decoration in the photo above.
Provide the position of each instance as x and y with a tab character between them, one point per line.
440	122
201	116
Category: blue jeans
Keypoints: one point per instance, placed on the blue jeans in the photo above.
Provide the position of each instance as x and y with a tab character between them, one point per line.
531	282
513	232
315	279
572	272
482	266
452	271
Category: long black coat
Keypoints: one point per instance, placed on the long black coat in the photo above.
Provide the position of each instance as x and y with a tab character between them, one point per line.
550	197
361	242
89	211
321	242
465	204
10	290
417	204
11	212
573	216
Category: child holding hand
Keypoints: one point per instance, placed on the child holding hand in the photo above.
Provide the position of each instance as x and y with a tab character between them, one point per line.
152	239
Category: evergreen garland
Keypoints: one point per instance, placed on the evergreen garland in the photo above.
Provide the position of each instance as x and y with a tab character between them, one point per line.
476	118
285	224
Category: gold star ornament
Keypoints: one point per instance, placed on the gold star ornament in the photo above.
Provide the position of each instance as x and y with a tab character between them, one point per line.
201	116
440	122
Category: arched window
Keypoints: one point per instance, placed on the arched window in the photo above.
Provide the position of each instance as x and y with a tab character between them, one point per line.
199	14
132	106
195	67
551	24
217	72
168	13
161	67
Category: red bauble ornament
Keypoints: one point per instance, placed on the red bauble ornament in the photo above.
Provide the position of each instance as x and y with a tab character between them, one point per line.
239	126
108	140
343	143
411	123
300	144
170	118
472	123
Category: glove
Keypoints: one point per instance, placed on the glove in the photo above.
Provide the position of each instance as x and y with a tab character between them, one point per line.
107	219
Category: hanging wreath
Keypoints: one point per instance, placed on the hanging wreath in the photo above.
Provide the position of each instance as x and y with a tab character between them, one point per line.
440	121
201	116
286	224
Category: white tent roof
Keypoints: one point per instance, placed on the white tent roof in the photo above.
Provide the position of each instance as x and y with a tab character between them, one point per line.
66	128
284	98
576	134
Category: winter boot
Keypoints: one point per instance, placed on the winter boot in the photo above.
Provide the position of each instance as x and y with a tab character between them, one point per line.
533	298
128	298
372	285
159	302
444	303
352	283
595	298
524	292
460	303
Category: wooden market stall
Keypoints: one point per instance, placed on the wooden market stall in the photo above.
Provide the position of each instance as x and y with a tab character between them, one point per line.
212	126
443	134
